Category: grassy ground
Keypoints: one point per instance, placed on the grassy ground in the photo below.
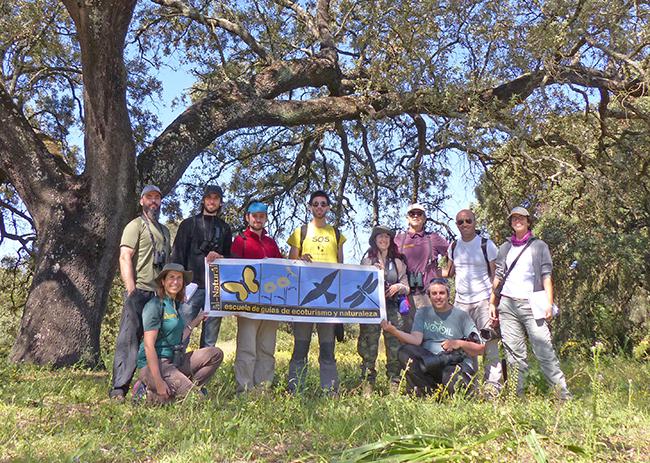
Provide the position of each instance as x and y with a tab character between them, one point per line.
65	415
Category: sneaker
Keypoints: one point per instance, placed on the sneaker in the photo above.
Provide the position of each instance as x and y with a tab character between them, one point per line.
116	394
139	391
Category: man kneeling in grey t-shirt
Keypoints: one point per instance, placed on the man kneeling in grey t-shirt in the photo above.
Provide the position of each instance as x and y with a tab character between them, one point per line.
439	349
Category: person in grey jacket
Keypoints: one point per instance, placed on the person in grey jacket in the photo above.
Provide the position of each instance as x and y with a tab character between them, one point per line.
515	284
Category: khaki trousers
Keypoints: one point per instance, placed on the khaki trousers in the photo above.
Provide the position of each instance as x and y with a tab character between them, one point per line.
255	358
197	368
480	314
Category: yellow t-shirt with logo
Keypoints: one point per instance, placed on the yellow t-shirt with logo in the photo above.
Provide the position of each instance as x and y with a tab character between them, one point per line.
320	243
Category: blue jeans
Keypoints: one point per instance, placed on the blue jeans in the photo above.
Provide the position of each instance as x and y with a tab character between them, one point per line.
211	326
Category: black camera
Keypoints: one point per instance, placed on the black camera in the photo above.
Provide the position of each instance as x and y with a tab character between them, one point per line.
490	333
437	362
159	258
213	244
179	354
416	280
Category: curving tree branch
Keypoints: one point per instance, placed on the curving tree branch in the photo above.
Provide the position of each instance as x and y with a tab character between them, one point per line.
210	22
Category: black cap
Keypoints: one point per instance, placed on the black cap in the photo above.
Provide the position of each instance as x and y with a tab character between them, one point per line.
212	189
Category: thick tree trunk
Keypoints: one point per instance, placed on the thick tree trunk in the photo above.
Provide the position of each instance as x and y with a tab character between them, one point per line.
79	219
72	279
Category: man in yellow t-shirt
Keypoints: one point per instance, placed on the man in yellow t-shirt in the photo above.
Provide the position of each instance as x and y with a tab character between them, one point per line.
315	242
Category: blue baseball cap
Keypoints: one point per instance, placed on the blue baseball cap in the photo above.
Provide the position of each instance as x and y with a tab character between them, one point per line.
257	207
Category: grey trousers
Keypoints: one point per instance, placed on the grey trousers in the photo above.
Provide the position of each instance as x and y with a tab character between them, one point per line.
255	358
517	322
329	379
211	325
480	314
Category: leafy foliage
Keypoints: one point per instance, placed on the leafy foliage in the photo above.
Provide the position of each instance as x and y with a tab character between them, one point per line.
591	193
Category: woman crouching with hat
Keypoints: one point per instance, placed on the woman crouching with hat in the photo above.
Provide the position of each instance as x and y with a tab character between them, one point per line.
167	372
383	253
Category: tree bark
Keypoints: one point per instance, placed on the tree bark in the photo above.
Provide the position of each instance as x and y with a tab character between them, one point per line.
79	218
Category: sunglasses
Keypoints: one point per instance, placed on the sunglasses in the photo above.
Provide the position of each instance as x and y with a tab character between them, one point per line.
416	213
439	281
321	204
462	221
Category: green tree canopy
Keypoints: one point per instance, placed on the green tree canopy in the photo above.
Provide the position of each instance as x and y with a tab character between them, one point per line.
367	99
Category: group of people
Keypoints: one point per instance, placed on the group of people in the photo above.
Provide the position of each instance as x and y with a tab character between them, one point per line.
429	341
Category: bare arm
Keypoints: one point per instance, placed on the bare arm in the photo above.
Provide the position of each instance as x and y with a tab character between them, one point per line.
126	268
339	255
493	298
294	254
162	389
450	270
414	337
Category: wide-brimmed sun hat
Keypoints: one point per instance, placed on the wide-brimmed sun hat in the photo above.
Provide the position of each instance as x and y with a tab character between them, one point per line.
378	230
187	274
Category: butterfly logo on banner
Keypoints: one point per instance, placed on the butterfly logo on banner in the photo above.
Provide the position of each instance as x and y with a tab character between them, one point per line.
244	287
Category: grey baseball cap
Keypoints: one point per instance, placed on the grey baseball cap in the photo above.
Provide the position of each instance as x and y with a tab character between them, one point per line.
519	211
149	189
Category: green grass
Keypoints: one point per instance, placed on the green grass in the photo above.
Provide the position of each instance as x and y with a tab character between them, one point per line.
65	415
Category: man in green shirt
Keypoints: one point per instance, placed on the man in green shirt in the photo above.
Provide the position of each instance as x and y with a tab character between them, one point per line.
144	249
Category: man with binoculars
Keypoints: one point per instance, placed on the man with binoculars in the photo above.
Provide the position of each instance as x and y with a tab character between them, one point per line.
439	349
144	250
203	236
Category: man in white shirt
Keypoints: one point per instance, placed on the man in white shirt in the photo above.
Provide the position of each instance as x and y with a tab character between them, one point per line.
472	260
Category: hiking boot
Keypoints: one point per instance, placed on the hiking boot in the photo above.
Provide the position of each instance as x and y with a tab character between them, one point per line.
116	394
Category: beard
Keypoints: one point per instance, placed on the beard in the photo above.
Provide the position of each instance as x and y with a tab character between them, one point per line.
152	212
210	210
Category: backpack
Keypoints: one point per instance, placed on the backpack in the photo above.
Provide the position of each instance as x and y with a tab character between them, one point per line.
484	241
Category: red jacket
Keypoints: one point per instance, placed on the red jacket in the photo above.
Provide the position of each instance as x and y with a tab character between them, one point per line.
248	245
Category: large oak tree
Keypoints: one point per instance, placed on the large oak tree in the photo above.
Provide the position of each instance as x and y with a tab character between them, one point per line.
463	75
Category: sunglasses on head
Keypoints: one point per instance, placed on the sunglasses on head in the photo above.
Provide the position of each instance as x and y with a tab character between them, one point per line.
321	204
462	221
415	213
439	281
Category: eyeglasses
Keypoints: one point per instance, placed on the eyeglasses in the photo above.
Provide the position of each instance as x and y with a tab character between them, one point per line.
462	221
439	281
321	204
415	213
